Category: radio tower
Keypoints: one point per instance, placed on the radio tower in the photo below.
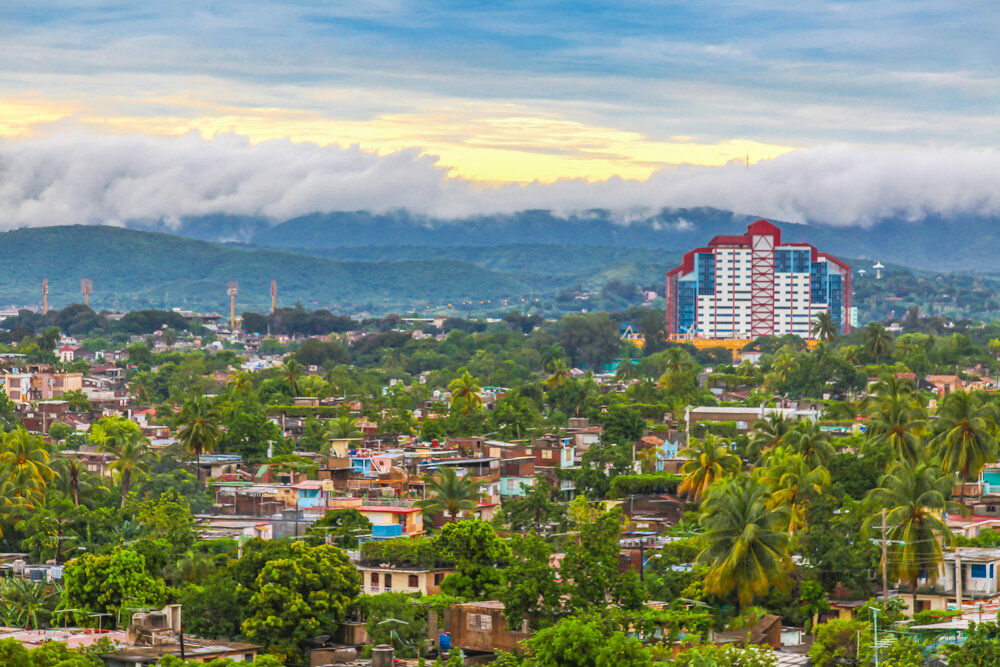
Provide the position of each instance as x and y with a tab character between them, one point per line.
86	289
45	296
274	296
232	289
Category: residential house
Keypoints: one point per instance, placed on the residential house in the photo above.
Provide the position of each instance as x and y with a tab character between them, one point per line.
481	626
966	580
383	577
392	520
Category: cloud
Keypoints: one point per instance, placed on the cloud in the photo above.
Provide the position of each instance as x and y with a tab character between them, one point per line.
80	178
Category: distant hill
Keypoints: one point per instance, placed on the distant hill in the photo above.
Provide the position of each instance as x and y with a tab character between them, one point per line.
132	269
935	244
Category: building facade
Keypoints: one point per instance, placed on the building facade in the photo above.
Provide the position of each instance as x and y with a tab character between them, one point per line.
756	285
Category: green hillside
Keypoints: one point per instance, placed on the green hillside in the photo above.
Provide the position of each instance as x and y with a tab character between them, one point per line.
132	269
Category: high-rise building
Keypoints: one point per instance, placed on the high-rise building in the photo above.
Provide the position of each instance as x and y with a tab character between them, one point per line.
755	285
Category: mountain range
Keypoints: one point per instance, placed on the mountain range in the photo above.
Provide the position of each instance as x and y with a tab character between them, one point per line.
398	262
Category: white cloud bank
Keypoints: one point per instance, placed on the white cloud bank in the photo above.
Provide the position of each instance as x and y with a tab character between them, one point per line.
76	178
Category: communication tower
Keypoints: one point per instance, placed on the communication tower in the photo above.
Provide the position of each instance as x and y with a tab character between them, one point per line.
45	296
232	289
86	289
274	296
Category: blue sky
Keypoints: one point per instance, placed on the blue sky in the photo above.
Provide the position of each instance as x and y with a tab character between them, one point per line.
505	92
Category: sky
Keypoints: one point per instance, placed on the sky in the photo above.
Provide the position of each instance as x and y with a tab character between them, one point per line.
810	110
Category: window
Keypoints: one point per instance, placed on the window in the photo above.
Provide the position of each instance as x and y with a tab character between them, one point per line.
481	622
374	579
413	581
438	578
546	453
388	581
977	571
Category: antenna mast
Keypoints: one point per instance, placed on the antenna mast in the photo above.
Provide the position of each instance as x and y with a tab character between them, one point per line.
274	296
86	289
232	289
45	296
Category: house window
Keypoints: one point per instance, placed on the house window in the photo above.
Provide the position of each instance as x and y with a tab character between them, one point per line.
413	582
546	453
374	578
438	578
481	622
977	571
388	581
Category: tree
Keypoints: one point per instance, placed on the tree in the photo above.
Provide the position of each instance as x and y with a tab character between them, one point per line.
824	328
792	479
102	583
465	394
531	588
199	428
898	421
26	604
877	341
300	597
746	544
916	495
808	439
591	564
513	415
586	642
341	428
78	401
133	454
559	373
768	432
291	373
395	619
248	430
589	338
60	431
213	609
623	425
535	509
449	494
477	552
340	528
966	439
24	471
708	460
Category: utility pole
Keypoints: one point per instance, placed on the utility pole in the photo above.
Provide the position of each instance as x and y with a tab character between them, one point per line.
45	296
885	564
274	296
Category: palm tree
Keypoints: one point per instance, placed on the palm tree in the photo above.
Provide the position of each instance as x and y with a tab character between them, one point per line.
808	439
678	369
915	496
898	421
966	439
790	478
26	604
340	428
133	453
291	371
746	543
465	393
891	386
24	462
707	461
199	428
824	328
877	341
769	432
559	373
626	371
241	382
449	493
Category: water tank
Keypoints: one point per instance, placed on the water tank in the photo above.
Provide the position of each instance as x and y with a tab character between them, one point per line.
383	655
